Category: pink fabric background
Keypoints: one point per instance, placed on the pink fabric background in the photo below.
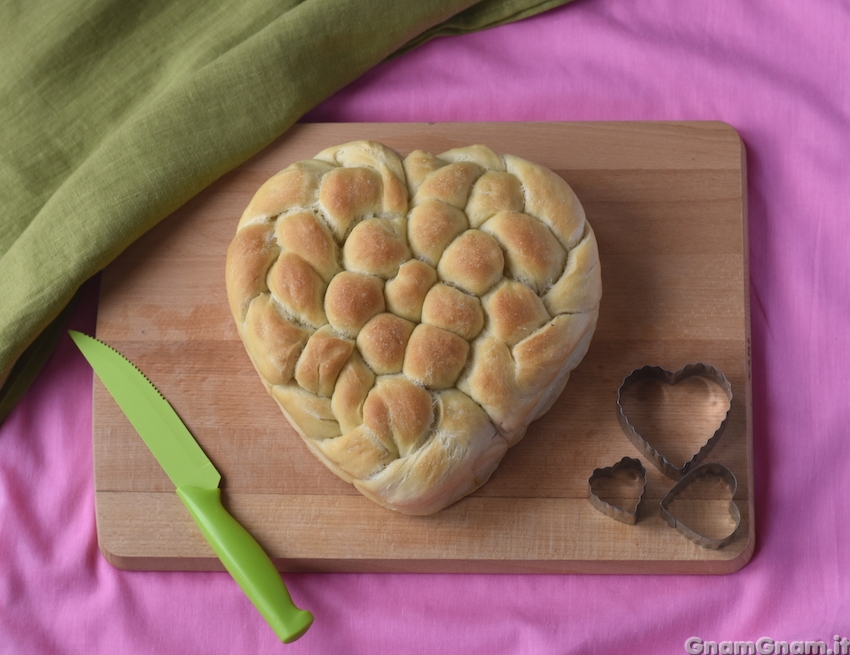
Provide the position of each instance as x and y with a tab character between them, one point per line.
777	70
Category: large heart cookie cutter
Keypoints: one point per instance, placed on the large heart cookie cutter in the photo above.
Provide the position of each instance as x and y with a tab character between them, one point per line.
672	378
620	513
706	470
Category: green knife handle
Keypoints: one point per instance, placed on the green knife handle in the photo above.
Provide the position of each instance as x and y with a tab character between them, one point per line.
247	562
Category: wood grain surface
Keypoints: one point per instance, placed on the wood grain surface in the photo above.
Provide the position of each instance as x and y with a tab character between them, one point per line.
668	204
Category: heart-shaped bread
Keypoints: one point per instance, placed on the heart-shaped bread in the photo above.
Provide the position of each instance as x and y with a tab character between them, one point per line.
412	317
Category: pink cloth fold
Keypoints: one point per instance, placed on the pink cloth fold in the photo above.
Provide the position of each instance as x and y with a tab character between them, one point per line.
777	71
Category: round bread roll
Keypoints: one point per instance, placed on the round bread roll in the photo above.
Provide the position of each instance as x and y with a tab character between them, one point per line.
413	316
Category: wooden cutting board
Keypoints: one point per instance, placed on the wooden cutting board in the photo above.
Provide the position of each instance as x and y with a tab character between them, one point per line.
668	204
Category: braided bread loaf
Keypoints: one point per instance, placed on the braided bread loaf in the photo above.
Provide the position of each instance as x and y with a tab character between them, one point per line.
412	317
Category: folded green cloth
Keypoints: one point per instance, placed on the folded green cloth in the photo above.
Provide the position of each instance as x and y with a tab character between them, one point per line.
114	113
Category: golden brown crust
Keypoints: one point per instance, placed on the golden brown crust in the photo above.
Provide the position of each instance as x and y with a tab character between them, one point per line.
298	288
417	166
347	194
431	227
406	292
295	186
450	184
399	412
249	257
412	317
550	199
515	312
353	384
453	310
302	234
275	344
383	341
375	246
311	415
435	357
321	361
352	299
533	255
474	262
494	192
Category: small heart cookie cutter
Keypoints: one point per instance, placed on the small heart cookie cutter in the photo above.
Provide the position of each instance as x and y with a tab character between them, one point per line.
644	447
706	470
609	509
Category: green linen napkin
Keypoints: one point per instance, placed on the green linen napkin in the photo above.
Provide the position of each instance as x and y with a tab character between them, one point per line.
115	113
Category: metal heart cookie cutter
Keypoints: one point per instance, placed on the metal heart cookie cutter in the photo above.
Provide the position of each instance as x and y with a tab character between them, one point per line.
672	378
700	538
632	468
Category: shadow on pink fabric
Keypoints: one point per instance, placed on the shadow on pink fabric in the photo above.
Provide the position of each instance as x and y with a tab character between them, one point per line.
774	69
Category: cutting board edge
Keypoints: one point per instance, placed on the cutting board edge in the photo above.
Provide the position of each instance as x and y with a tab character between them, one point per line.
716	565
476	567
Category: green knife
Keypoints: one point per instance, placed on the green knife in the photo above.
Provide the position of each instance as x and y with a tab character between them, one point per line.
196	480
